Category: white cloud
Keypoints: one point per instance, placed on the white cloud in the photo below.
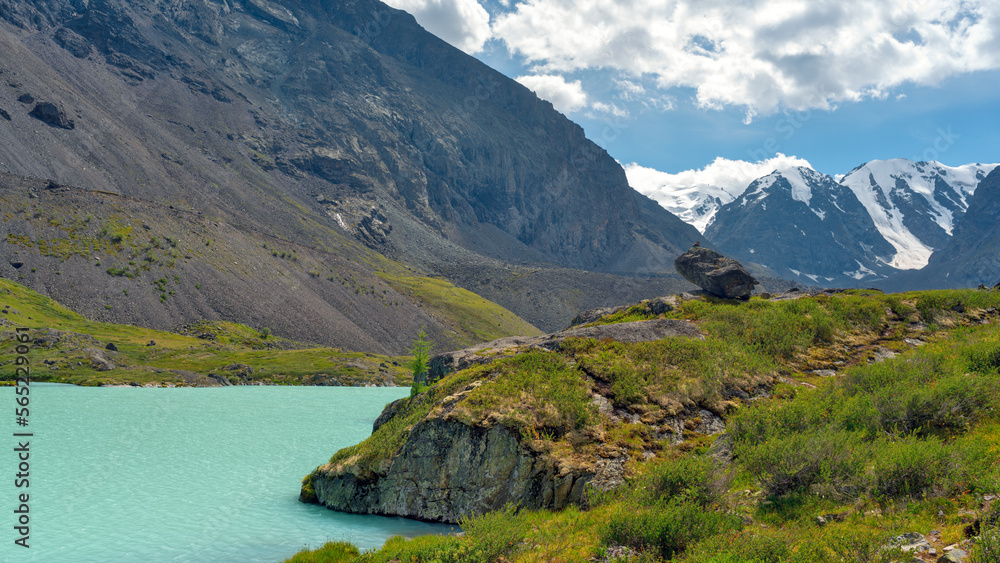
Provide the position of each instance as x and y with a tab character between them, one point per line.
733	176
567	97
608	109
762	55
696	195
463	23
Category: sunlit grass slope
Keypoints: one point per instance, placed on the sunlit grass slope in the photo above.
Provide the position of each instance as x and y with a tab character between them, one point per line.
65	343
880	413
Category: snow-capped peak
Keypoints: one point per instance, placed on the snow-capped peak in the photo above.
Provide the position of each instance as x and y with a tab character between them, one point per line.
887	188
800	179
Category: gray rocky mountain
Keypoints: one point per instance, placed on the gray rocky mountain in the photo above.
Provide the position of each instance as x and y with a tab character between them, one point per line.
914	205
972	255
341	128
805	226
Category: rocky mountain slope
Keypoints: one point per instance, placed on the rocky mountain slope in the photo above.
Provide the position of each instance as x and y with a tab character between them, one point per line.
804	225
970	258
914	205
320	124
881	218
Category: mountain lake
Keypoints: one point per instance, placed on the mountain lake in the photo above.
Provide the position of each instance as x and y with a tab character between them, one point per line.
184	474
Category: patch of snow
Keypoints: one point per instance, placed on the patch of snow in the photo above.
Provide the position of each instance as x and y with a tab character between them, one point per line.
752	251
911	253
860	273
800	188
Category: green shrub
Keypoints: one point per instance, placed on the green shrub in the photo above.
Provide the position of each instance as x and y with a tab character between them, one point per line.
696	479
330	552
911	468
491	537
828	462
666	530
987	548
858	312
743	547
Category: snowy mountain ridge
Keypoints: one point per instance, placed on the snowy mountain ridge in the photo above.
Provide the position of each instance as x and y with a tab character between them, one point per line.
804	225
907	199
910	207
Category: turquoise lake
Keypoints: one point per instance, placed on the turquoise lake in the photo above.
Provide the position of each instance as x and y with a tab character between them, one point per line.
184	475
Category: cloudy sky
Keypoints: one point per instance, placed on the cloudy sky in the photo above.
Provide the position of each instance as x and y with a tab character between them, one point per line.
705	90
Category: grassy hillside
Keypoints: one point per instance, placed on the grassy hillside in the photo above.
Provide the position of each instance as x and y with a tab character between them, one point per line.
878	413
65	344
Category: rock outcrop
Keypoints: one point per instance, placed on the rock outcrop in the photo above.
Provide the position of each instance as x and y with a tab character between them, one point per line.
448	469
716	274
51	115
457	457
637	331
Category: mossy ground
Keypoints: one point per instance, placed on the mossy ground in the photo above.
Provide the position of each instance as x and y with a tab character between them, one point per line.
208	347
905	444
476	319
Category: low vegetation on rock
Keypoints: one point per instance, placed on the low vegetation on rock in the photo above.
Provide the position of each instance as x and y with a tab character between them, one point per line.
807	426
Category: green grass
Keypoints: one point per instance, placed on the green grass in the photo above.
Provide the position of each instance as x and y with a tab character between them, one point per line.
907	444
476	319
275	360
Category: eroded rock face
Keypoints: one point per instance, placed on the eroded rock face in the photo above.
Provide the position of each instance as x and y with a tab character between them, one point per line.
448	469
716	274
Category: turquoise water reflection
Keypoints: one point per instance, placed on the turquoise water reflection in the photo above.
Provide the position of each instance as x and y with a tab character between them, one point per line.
172	475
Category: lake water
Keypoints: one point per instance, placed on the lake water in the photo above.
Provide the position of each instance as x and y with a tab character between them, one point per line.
184	475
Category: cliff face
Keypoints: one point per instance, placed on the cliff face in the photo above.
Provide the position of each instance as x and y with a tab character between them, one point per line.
448	469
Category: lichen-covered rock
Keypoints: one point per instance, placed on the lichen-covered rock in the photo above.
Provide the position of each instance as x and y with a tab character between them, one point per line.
656	306
448	469
954	556
716	274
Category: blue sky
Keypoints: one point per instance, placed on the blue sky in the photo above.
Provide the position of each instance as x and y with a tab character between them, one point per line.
677	85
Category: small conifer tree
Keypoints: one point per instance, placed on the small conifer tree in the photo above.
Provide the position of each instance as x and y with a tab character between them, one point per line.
421	355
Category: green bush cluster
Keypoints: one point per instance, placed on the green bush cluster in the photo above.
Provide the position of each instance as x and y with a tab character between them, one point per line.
668	529
685	368
490	537
888	430
671	506
832	545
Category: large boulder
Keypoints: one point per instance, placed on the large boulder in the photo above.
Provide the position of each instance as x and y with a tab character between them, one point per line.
52	115
716	274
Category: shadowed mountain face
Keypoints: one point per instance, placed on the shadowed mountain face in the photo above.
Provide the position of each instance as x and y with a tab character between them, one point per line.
321	123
